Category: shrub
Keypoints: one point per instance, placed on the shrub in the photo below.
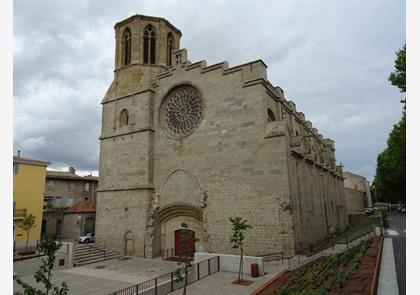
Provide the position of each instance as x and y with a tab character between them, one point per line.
384	215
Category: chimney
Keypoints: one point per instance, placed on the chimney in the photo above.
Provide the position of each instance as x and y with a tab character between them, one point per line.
18	153
72	170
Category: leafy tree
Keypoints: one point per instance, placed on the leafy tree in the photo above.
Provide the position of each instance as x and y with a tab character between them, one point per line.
28	223
48	246
187	240
397	78
390	178
389	182
239	227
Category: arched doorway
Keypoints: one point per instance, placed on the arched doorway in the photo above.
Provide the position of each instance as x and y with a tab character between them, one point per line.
184	242
129	244
170	218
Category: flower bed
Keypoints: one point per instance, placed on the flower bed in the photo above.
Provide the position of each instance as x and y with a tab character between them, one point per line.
351	272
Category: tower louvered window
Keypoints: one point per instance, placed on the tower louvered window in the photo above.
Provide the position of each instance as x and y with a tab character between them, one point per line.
126	47
170	48
149	45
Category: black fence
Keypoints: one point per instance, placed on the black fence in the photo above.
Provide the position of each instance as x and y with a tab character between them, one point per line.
20	251
297	260
167	283
168	253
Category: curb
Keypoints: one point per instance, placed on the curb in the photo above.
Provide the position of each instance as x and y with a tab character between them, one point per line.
374	286
269	282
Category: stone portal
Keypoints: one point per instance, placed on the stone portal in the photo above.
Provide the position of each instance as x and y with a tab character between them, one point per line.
171	218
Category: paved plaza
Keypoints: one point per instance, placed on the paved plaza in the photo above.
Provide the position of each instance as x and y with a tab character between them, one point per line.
113	275
107	276
220	282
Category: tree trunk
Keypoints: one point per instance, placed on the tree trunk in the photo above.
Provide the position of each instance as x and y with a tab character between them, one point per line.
185	280
48	280
27	241
240	267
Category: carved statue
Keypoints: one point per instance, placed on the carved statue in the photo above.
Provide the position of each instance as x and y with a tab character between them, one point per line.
203	200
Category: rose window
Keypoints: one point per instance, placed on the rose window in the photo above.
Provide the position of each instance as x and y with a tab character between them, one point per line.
182	111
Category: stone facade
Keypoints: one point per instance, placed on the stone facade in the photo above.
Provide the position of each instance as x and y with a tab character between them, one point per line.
356	192
188	142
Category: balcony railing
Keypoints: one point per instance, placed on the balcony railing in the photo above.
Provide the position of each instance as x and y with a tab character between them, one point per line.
19	213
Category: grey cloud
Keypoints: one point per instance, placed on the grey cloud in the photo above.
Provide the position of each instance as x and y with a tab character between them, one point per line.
331	58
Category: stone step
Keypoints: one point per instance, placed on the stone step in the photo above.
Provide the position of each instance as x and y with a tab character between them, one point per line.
91	253
82	251
101	256
84	246
96	259
96	253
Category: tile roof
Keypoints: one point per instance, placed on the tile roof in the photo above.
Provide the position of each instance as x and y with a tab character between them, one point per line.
91	177
68	175
29	161
82	207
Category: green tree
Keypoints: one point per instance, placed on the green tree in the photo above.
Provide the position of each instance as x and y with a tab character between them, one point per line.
28	223
239	228
390	178
187	241
397	77
48	246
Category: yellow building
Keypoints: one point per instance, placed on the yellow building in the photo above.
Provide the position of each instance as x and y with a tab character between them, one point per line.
28	196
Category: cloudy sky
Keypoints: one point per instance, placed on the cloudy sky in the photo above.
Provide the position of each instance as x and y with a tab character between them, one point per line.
331	57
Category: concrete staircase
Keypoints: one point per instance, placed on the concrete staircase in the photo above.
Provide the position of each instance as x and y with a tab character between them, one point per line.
91	253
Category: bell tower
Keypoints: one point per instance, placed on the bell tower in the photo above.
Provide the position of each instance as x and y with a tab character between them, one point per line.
143	48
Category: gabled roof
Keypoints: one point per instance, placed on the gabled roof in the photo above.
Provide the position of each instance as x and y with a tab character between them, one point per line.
28	161
82	207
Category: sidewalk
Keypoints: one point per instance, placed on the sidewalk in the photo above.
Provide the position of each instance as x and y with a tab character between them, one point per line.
387	283
219	283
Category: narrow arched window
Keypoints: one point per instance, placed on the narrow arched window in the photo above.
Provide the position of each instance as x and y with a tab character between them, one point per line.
123	118
170	48
149	45
126	46
270	115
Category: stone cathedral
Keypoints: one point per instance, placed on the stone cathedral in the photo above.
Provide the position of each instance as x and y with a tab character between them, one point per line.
184	141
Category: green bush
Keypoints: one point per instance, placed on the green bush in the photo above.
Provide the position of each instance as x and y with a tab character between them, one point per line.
326	273
384	214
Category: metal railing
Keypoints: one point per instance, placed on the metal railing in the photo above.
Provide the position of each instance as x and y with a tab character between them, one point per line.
32	246
64	249
168	253
295	261
167	283
94	248
19	213
273	256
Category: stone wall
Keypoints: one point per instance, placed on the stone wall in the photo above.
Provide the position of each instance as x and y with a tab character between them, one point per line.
354	181
74	224
252	155
242	172
354	201
119	212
